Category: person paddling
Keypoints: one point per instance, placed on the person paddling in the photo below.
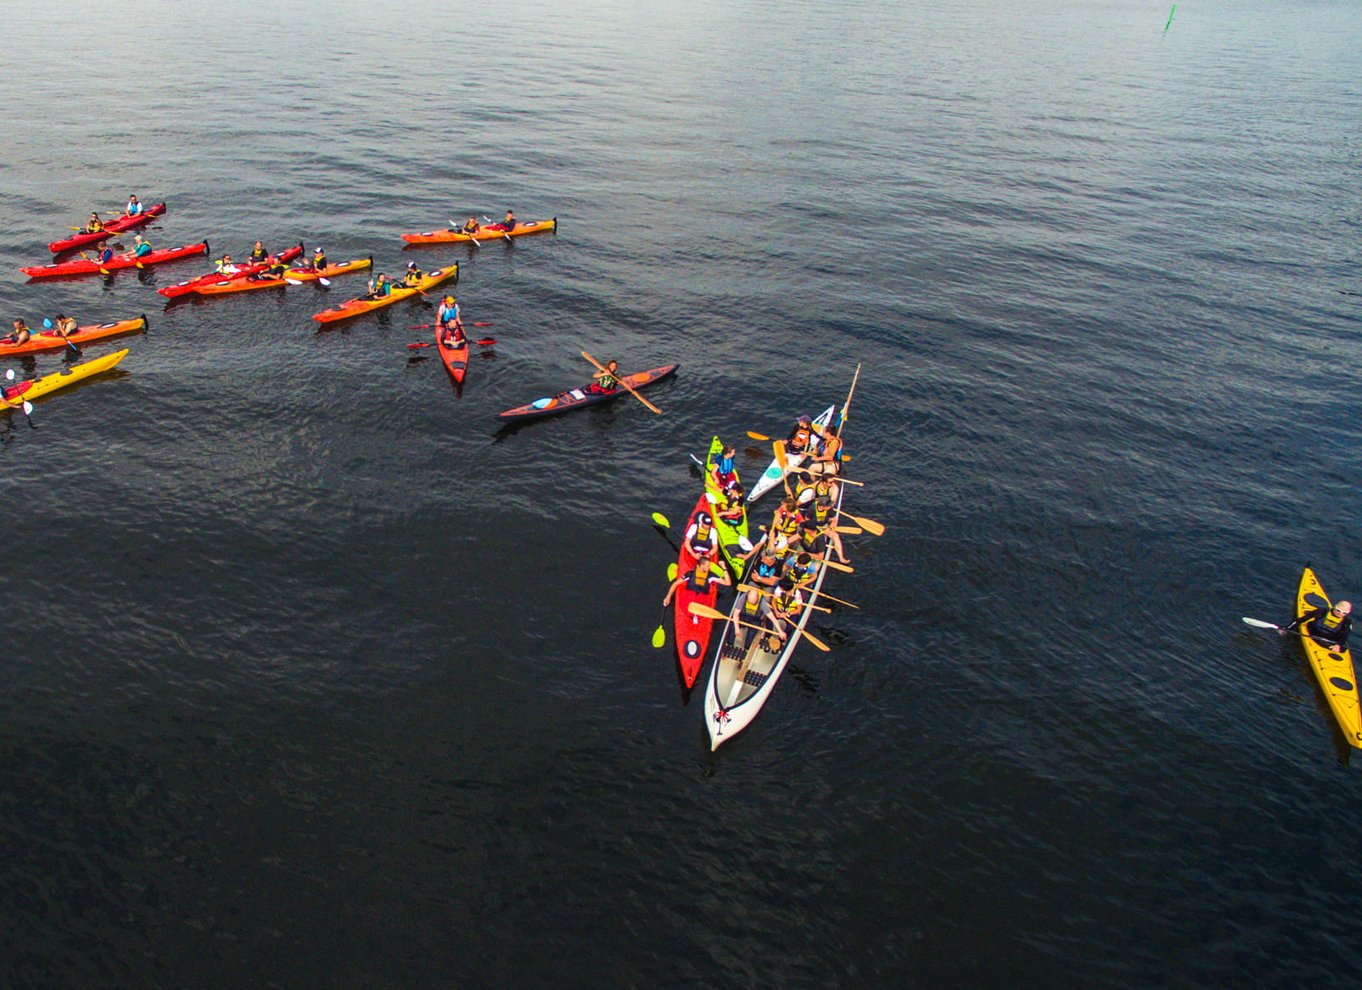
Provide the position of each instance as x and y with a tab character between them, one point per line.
318	260
94	225
64	326
451	327
134	208
1330	626
800	436
509	223
471	226
413	276
105	255
21	333
258	254
605	381
224	265
698	579
141	247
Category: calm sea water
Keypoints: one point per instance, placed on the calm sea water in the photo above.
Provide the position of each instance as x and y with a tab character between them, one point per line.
314	677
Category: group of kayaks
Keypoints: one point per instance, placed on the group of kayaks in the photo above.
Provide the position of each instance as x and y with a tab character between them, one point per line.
748	657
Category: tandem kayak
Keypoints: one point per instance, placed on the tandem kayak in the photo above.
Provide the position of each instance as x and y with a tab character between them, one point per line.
210	278
577	398
773	474
115	226
455	359
14	396
1334	671
88	266
490	232
50	340
731	537
692	631
362	305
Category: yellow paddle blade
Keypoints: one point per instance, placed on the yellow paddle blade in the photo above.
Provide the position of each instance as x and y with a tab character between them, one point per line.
661	520
671	572
849	530
659	638
757	436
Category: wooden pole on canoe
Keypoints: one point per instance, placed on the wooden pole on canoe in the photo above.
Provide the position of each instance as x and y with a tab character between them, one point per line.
620	380
705	612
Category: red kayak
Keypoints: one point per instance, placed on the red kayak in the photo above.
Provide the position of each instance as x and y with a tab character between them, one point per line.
692	631
455	359
114	226
89	266
192	285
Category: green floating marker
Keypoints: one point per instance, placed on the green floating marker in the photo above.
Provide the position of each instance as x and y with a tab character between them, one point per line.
1170	18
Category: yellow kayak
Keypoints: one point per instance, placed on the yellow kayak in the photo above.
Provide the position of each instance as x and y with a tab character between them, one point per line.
1333	670
14	396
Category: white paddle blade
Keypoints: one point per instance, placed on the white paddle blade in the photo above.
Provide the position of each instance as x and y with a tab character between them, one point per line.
1260	624
710	497
292	281
28	408
745	543
9	373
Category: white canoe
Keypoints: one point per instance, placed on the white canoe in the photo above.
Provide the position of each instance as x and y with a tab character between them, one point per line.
730	705
774	473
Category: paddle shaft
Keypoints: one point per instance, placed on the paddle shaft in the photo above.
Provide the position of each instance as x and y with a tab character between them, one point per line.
619	380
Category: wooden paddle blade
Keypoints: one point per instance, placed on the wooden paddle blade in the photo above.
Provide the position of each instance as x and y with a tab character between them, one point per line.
849	530
704	611
869	525
816	641
844	568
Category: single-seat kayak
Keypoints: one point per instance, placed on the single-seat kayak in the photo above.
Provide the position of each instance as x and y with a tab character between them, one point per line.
578	398
1334	671
88	266
50	340
310	274
692	631
362	305
14	396
455	359
249	268
114	226
489	232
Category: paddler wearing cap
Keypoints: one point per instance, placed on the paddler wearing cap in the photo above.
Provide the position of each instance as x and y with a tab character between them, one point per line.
801	434
319	260
702	540
447	319
412	277
1330	626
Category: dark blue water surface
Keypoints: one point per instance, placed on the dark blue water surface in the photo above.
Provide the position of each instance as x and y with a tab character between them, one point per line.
312	676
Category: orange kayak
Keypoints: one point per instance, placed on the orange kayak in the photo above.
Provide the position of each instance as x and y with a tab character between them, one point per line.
248	284
489	232
50	340
330	271
362	305
455	359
